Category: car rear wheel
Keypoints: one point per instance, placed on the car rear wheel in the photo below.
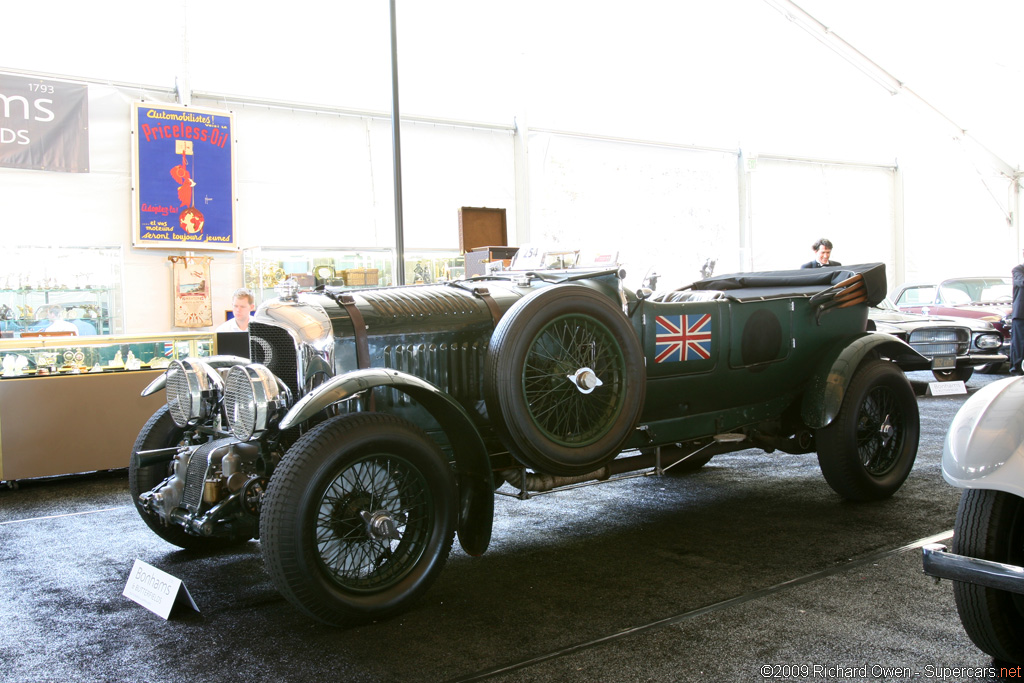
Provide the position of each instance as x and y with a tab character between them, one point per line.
954	374
359	518
564	379
868	450
990	526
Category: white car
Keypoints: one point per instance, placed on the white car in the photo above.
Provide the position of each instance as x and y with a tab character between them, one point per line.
984	455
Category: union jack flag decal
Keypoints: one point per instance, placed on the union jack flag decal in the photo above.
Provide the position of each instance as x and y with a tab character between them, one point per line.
676	341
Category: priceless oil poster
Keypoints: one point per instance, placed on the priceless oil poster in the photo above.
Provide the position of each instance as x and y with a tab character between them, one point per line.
184	177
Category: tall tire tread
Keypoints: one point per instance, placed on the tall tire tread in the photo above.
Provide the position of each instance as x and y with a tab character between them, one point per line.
988	615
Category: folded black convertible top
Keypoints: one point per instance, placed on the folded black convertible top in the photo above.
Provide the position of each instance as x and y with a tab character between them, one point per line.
805	281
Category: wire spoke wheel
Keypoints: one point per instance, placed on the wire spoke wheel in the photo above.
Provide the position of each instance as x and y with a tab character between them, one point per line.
359	518
564	379
372	521
559	409
879	437
868	450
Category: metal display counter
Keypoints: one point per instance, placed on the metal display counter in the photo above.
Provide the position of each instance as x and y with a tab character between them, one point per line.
73	404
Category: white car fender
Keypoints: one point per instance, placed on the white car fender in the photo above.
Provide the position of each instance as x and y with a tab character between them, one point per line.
984	447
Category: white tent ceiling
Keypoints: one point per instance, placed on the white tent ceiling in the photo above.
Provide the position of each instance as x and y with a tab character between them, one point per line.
725	73
962	58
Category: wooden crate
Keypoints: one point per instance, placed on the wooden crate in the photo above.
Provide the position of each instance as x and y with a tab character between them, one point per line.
479	227
361	276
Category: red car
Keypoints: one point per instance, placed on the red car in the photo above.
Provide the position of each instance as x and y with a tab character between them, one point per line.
982	298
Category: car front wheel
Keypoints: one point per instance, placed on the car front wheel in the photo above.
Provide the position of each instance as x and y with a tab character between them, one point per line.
868	450
359	518
954	374
990	526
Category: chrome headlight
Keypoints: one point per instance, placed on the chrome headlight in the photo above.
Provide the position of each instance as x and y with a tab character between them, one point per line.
988	340
252	399
193	391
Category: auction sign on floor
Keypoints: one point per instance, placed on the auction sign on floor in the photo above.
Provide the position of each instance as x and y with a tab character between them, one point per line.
183	177
44	124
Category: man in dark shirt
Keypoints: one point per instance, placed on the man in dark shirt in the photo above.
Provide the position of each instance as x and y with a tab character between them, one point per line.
822	255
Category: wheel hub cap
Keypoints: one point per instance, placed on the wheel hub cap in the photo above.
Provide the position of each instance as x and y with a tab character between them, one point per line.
585	379
886	430
382	524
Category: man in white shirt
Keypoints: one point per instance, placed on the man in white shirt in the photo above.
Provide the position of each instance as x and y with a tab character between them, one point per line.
57	322
242	304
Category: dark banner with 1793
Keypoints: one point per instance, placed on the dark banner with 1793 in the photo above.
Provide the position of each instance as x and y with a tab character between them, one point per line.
44	124
184	177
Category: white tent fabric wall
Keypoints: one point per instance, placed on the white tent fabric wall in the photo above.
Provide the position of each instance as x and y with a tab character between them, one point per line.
725	76
957	214
453	166
302	179
324	179
796	202
663	209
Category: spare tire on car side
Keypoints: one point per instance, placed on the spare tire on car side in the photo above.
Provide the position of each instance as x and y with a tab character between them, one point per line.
564	379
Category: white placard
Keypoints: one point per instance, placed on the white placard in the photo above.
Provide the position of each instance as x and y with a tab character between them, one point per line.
155	589
947	388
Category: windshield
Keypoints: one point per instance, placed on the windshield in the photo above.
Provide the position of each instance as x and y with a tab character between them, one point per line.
967	290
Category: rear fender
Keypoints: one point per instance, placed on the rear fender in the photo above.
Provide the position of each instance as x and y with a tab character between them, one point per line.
984	446
824	396
476	486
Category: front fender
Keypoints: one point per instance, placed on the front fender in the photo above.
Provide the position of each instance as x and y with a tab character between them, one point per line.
822	400
984	446
476	486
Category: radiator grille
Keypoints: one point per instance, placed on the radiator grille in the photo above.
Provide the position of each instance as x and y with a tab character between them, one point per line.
195	476
275	348
940	341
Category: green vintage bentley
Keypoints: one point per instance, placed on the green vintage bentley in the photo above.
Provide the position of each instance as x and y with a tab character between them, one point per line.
368	427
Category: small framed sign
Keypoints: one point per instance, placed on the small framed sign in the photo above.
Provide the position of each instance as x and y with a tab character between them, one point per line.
156	590
191	285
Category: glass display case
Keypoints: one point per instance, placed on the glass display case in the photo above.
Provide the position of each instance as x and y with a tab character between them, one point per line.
266	267
427	266
83	284
74	404
70	355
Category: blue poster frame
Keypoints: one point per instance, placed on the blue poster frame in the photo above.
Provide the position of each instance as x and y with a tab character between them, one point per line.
183	173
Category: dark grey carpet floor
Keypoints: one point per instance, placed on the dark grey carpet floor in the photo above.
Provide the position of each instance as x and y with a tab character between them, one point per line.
751	562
